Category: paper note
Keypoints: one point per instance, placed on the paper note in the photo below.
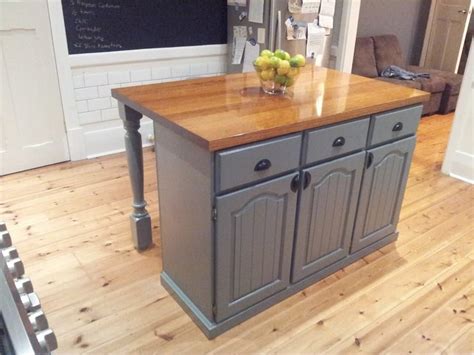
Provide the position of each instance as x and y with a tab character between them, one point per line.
295	30
327	7
251	53
261	35
310	6
315	42
240	31
236	2
238	50
256	8
326	21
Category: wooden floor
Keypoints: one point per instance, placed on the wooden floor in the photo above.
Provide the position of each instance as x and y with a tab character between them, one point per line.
70	224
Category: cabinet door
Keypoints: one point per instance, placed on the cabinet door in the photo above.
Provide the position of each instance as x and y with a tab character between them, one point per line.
326	218
382	192
254	240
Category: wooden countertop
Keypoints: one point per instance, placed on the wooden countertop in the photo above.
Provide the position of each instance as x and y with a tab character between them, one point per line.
230	110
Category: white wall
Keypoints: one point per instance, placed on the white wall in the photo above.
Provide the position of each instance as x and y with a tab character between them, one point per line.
92	121
459	159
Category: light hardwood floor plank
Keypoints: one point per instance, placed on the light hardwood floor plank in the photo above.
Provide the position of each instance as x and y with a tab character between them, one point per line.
70	224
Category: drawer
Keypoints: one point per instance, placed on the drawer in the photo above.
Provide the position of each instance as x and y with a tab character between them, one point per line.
388	126
337	140
257	161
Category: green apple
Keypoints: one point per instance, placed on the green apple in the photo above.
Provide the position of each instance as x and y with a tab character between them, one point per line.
293	72
280	54
266	53
300	59
281	79
275	62
284	67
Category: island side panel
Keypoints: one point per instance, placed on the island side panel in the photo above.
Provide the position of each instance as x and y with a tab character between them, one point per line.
185	190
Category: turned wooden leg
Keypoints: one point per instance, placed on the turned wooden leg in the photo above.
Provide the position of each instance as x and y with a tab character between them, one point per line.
139	219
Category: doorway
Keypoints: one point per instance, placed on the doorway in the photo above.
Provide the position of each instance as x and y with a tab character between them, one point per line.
445	34
32	131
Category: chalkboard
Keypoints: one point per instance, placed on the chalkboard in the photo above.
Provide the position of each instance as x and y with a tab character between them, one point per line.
116	25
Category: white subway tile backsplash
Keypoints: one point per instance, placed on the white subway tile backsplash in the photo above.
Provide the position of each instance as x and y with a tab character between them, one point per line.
86	93
117	77
216	67
78	81
113	102
160	72
98	104
180	70
141	74
94	79
89	117
198	68
105	90
110	114
82	106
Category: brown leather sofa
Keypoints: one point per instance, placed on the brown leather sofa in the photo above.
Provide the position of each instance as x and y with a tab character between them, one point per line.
373	54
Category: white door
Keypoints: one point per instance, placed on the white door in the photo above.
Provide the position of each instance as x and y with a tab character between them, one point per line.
445	34
32	130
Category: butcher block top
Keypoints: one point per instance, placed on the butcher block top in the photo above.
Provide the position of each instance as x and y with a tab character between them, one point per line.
226	111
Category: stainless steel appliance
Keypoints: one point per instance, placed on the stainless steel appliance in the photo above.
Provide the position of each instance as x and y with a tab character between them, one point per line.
24	328
271	33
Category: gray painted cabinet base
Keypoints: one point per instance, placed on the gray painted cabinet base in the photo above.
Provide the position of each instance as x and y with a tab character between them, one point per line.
244	228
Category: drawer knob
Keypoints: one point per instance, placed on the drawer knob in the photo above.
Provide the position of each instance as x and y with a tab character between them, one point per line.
339	142
263	164
398	127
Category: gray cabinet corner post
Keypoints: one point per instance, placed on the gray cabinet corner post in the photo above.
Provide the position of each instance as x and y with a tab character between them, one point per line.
140	220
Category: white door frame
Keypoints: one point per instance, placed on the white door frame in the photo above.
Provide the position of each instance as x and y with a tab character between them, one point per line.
347	35
426	40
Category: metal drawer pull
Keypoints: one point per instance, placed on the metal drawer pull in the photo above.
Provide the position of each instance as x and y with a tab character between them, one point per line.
263	164
398	127
339	142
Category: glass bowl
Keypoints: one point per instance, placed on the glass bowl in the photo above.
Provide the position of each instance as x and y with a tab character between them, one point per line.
275	83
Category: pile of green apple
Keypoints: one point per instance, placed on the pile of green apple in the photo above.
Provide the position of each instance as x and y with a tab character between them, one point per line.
279	66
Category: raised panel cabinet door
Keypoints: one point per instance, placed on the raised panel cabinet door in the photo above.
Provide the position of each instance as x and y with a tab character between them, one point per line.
382	191
254	240
326	218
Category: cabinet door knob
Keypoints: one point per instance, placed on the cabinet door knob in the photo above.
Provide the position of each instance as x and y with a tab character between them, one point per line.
339	142
295	183
307	179
370	159
398	127
263	164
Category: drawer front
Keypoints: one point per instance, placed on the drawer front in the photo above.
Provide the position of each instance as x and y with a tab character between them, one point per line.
254	162
393	125
337	140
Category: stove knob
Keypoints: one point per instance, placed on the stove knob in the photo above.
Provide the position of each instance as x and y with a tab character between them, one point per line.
10	253
24	285
5	240
16	267
38	320
3	227
47	340
30	301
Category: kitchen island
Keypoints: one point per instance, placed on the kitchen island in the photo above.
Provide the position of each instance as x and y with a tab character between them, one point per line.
261	196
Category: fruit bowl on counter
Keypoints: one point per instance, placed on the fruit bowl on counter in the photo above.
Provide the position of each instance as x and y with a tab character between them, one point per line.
278	70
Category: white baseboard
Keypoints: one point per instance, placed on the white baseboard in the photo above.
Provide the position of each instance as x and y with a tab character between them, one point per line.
110	140
462	167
